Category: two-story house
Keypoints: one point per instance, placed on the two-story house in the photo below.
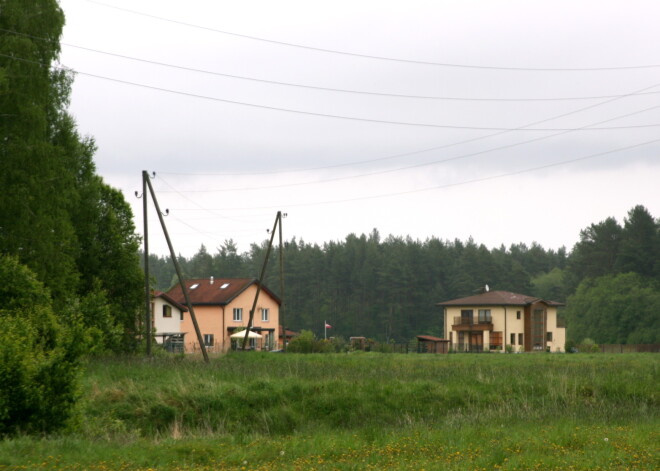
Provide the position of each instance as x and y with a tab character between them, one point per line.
494	319
222	307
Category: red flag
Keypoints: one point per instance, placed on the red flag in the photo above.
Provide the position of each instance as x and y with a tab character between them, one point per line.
328	326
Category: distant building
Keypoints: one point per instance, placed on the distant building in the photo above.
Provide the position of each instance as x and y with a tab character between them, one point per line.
494	319
167	321
222	307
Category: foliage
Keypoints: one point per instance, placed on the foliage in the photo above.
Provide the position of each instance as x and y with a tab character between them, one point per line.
58	217
38	357
366	286
307	342
616	309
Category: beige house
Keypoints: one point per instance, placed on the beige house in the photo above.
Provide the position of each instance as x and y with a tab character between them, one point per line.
495	319
222	307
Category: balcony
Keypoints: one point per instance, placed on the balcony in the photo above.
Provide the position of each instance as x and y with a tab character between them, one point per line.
470	324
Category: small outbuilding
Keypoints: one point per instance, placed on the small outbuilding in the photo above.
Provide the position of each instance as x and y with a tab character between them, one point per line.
429	344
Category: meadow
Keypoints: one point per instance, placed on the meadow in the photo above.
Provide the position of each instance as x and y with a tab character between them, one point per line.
264	411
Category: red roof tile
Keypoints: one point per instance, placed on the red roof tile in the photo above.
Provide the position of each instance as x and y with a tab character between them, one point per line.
497	298
219	291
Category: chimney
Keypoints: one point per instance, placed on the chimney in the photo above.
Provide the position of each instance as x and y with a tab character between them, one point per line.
211	280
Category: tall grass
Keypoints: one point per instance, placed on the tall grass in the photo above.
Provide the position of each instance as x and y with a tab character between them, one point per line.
280	394
395	410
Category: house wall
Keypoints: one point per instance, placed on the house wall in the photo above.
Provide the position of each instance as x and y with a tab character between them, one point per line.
558	333
515	326
505	320
215	320
165	324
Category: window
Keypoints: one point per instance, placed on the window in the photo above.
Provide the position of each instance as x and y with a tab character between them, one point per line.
208	340
520	339
513	339
167	310
264	315
484	316
496	340
238	314
518	315
548	336
181	315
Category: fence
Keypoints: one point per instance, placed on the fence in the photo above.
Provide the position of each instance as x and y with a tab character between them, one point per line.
622	348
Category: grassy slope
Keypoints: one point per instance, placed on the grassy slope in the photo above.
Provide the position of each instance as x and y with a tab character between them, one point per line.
360	411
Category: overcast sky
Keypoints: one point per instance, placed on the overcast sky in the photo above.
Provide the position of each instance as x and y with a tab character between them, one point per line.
505	121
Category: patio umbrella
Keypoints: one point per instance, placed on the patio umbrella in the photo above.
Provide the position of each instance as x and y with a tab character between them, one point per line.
241	335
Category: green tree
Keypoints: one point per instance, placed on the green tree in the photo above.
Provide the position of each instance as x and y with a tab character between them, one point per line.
38	185
58	217
619	308
639	250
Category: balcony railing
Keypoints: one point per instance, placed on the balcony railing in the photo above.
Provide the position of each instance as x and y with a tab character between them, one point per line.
483	323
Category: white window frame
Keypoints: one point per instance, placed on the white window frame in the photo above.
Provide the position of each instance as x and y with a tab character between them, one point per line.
209	340
265	312
238	314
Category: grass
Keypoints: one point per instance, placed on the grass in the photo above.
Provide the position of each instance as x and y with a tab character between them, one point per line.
358	411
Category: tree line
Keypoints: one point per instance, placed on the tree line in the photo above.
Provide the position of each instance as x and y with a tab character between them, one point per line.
387	289
70	278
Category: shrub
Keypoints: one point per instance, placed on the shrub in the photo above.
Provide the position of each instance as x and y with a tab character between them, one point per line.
38	357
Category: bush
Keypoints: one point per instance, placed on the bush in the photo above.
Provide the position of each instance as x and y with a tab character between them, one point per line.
306	342
38	357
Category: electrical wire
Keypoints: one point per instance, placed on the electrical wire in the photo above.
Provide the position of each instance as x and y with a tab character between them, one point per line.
409	167
372	57
350	118
330	89
450	185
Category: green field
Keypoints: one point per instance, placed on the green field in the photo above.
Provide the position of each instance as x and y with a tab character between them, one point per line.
358	411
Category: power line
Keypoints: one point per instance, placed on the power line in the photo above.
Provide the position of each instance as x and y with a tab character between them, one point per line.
349	118
331	89
323	115
466	141
425	164
449	185
373	57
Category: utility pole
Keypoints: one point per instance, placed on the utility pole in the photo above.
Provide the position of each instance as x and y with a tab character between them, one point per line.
184	290
147	287
278	219
282	286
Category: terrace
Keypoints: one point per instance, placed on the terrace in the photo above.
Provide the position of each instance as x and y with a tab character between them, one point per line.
473	323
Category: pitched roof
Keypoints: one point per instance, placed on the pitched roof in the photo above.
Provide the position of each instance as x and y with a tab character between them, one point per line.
430	338
215	291
497	298
179	306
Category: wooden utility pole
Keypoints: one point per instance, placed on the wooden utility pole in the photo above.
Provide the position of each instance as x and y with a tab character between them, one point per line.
278	220
282	286
147	287
184	290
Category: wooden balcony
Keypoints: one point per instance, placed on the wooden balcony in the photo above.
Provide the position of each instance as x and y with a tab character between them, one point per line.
468	324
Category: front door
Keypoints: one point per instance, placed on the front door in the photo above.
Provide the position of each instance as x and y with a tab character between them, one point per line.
477	341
